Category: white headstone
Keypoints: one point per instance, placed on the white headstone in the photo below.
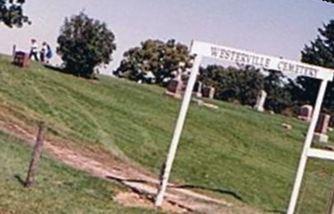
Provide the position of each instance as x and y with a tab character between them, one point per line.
212	92
198	92
261	99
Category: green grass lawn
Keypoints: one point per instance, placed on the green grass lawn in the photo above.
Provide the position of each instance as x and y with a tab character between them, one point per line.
231	148
59	189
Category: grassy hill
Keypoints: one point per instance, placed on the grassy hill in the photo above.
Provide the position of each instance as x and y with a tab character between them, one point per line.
59	189
232	148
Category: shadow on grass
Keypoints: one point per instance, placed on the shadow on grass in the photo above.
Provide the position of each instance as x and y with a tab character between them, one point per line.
20	179
64	71
221	191
185	186
276	211
55	68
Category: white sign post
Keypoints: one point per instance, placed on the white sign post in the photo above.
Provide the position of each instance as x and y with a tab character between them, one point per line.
307	149
201	49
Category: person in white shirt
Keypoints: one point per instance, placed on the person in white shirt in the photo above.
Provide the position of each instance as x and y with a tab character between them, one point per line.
34	50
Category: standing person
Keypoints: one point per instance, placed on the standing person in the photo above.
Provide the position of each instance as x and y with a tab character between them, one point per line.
46	52
34	50
42	53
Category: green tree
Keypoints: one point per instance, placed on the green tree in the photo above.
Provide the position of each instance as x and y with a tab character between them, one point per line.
319	52
84	44
154	61
232	84
243	85
279	96
11	13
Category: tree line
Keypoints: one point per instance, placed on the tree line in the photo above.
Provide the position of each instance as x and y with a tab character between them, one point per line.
158	62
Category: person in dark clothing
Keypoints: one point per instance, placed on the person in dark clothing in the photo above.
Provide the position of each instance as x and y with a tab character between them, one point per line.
46	53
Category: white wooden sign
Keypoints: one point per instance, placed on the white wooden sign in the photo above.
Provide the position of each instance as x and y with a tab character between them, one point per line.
242	57
288	67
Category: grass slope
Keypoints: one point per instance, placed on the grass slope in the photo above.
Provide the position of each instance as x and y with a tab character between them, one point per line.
231	148
59	189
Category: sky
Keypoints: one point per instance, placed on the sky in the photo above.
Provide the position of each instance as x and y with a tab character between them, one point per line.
272	27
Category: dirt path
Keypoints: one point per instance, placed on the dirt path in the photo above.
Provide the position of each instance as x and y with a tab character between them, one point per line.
143	184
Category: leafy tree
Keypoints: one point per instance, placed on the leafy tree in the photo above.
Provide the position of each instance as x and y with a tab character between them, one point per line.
243	85
85	43
279	96
11	13
232	84
154	61
319	52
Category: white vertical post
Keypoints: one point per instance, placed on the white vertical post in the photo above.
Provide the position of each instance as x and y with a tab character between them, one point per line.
307	146
178	130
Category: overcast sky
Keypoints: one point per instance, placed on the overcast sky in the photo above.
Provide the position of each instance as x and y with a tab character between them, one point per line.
274	27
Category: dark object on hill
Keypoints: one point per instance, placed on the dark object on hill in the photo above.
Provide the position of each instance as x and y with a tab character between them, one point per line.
21	59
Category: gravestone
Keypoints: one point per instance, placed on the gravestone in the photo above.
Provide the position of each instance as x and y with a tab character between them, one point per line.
21	59
175	87
198	89
208	92
212	92
321	128
260	101
305	113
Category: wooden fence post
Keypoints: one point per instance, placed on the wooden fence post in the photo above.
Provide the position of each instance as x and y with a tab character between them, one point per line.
331	203
30	180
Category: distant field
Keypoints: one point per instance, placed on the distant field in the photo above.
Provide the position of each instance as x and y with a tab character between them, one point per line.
59	189
231	148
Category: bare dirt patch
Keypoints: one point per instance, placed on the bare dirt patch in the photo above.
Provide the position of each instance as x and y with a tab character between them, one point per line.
131	199
142	183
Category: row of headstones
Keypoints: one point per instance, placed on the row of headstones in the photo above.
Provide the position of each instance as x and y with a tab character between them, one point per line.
305	114
176	87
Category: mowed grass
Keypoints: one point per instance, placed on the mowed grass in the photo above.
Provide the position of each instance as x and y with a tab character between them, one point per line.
232	148
59	189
